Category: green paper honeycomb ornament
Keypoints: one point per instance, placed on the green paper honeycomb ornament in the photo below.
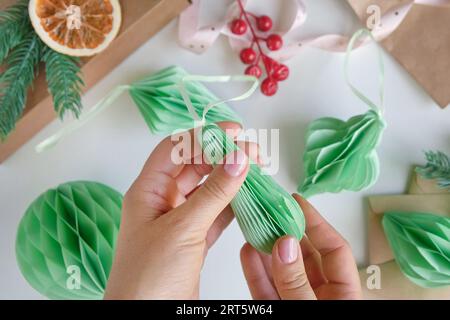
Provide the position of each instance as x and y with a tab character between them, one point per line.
421	246
66	240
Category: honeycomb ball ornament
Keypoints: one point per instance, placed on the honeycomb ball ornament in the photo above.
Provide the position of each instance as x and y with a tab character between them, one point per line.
66	240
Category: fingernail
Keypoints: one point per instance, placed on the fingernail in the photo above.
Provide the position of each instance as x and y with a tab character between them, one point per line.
288	250
235	163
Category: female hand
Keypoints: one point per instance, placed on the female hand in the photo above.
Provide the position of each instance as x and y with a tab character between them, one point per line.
320	267
167	227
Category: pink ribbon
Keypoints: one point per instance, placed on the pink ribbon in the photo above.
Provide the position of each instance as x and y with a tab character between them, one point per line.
199	38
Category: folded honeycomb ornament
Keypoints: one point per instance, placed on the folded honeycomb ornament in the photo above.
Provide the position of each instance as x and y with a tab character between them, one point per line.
341	155
263	209
160	103
421	246
66	240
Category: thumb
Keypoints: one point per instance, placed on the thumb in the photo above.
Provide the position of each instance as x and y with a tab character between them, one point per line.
289	273
208	201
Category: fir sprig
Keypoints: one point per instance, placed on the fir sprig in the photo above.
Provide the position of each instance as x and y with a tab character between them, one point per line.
64	81
437	167
21	50
14	26
16	79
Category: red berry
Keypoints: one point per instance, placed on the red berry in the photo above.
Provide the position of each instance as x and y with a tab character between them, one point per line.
253	70
269	87
280	72
269	63
238	26
274	42
248	55
264	23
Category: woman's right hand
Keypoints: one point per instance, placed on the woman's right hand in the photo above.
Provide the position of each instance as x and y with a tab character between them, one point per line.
321	266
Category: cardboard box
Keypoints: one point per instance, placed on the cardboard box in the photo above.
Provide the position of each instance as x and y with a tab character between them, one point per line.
141	19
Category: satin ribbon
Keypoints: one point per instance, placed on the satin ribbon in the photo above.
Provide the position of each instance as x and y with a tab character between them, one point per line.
84	118
356	36
116	92
209	106
198	39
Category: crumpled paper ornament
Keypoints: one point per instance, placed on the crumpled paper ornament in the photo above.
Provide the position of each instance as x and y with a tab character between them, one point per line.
421	246
66	240
160	103
263	209
342	155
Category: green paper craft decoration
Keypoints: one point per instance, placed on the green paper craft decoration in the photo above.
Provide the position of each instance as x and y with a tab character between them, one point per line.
342	155
72	227
421	246
160	103
263	209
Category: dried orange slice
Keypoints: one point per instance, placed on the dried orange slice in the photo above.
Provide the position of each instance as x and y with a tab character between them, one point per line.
76	27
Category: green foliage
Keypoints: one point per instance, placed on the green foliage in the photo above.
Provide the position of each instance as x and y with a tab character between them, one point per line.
21	50
15	80
64	81
14	26
437	167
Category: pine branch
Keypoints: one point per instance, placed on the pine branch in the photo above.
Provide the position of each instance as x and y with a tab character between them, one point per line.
14	26
64	81
15	80
437	167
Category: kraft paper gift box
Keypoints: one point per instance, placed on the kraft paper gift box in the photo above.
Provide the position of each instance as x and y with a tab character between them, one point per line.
424	197
141	19
421	43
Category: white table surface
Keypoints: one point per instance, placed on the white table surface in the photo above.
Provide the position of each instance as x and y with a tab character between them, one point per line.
113	147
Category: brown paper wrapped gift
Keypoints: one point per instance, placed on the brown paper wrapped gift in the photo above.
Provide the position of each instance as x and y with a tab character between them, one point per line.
427	198
141	19
421	43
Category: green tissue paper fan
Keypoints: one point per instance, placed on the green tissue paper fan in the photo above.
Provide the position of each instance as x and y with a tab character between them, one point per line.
263	209
341	155
66	240
421	246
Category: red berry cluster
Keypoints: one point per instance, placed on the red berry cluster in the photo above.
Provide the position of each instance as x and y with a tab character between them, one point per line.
275	71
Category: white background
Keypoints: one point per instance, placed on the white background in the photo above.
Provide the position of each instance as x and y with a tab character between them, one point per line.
113	147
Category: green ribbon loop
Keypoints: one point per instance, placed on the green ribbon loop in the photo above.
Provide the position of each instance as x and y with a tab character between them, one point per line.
356	36
211	79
